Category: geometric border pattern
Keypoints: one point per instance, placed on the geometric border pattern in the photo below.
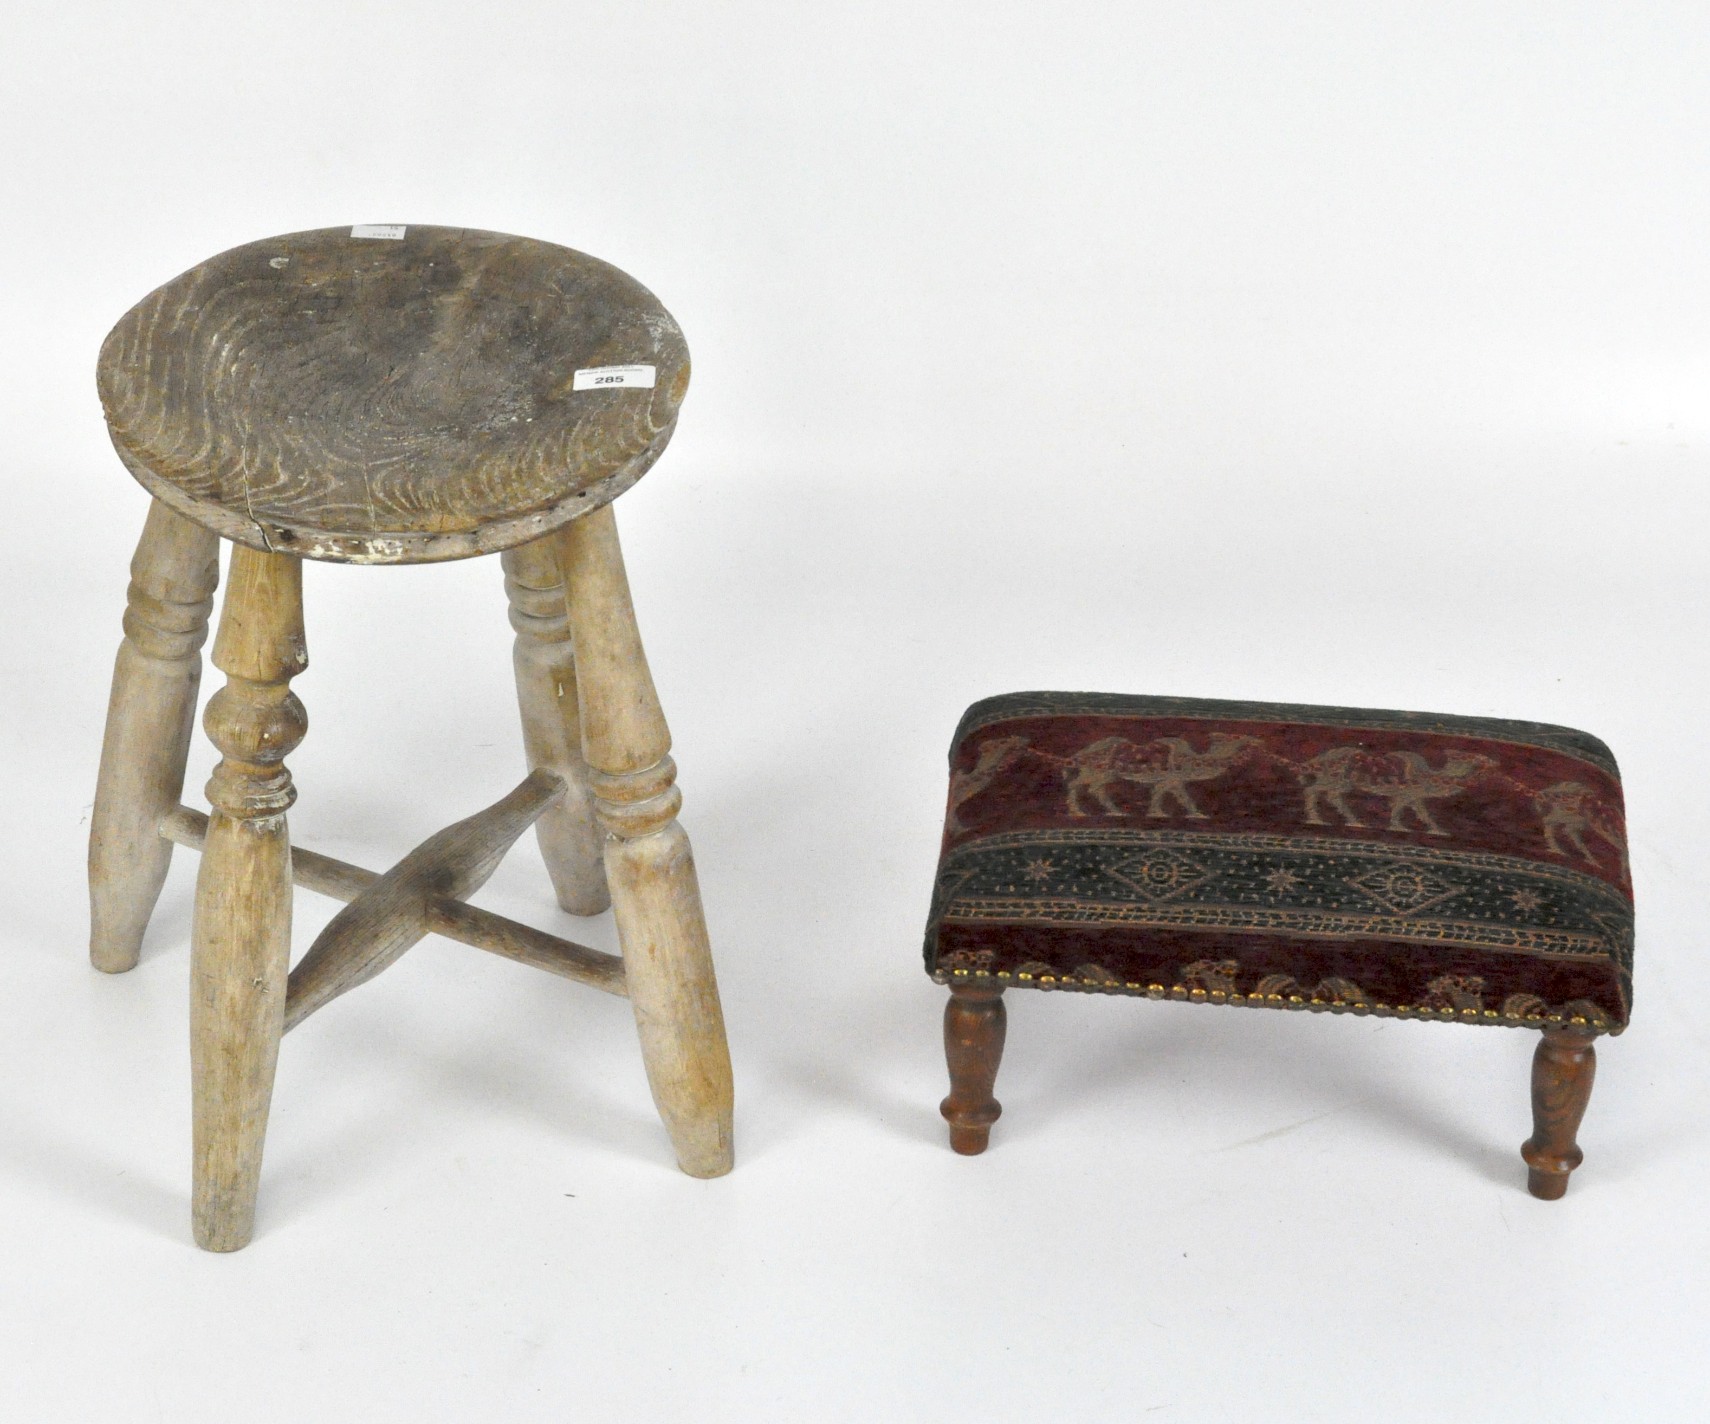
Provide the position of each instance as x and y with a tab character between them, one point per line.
1577	914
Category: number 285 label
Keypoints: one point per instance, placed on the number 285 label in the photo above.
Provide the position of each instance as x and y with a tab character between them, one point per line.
599	378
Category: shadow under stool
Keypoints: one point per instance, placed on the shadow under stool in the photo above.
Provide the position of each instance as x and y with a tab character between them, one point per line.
1448	869
393	395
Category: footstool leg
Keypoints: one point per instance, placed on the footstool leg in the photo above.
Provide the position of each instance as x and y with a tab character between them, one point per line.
649	866
974	1023
149	719
1562	1073
570	838
241	938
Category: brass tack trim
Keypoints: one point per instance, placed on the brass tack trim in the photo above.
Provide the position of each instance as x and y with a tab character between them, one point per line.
1199	995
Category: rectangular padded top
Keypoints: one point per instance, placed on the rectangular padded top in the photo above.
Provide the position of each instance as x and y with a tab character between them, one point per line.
1339	858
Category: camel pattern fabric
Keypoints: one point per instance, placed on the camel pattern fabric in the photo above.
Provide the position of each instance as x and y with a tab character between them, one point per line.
1456	868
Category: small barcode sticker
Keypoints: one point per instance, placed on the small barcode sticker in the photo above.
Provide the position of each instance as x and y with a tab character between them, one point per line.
393	232
597	378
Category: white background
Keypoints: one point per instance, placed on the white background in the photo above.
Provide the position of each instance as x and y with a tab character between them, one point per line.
1314	351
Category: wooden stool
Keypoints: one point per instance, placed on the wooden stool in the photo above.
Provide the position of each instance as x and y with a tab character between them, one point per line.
1455	869
387	396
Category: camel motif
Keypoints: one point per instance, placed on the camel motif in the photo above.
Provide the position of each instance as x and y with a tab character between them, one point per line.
1404	779
1333	774
1569	809
995	756
1165	764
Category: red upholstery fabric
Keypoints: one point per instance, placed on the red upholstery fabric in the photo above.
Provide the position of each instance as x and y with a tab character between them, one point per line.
1300	857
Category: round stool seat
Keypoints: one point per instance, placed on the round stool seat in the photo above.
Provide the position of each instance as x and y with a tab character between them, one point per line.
393	395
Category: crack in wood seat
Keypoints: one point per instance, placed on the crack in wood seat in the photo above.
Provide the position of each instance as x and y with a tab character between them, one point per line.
1451	869
390	401
425	394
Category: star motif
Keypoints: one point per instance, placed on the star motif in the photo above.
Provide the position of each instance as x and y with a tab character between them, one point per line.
1038	869
1282	881
1526	899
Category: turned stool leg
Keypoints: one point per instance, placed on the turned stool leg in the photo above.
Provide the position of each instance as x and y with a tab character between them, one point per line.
651	871
974	1023
241	939
1562	1073
149	720
570	838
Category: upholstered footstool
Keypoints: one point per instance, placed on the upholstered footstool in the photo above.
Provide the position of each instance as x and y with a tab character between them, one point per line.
1455	869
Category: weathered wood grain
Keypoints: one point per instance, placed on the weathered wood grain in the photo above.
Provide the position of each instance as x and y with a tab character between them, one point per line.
467	924
367	401
570	838
1563	1069
375	929
324	396
241	936
655	893
150	716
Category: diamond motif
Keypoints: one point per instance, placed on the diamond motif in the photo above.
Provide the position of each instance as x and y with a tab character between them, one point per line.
1160	875
1404	889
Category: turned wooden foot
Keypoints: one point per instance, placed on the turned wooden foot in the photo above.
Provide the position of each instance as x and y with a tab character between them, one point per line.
656	898
571	841
1562	1072
149	720
974	1023
241	938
